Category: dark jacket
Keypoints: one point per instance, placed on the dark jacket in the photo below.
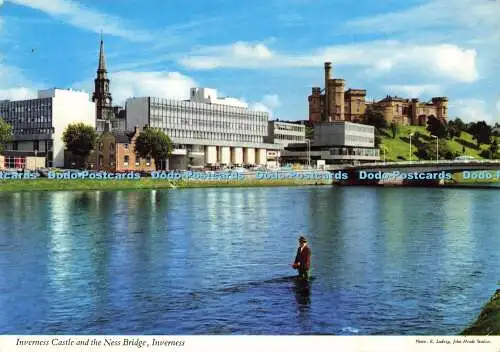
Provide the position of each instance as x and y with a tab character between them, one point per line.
303	259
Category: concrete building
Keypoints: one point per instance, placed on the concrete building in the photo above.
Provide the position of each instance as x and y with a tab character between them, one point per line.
334	103
337	142
280	132
38	124
205	130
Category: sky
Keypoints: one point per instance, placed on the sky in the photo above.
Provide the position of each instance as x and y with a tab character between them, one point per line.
267	53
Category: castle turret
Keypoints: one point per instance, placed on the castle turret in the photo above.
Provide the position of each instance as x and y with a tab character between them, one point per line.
315	106
337	100
441	105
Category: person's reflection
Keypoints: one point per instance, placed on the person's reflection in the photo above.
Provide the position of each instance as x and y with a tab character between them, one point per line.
302	290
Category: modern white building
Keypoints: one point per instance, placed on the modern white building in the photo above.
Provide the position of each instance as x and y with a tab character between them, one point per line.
283	133
38	124
335	142
205	130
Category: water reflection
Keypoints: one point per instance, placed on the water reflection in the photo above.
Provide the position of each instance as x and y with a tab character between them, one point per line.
392	261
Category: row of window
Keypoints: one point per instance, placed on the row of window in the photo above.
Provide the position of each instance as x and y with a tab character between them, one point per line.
214	126
354	151
198	106
287	137
360	139
28	131
46	145
207	116
358	128
283	127
214	136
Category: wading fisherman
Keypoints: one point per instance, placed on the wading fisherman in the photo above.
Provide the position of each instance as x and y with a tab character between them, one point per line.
303	259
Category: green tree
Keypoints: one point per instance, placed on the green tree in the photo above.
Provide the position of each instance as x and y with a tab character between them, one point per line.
481	131
80	139
428	151
375	118
460	125
309	132
153	143
378	138
5	134
394	129
454	131
436	127
494	147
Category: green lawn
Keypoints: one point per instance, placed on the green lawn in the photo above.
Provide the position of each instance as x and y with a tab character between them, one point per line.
398	149
44	184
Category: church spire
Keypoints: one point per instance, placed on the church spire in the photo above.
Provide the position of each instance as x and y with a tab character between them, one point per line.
102	61
102	96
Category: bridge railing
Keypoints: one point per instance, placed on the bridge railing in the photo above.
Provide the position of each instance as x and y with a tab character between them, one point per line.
430	162
416	162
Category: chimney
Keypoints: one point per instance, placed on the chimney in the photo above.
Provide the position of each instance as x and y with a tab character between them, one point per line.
328	71
328	77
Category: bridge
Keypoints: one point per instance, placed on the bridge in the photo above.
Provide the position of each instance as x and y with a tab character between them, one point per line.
434	171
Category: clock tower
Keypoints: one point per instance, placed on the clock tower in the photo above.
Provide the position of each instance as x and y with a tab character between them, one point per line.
102	96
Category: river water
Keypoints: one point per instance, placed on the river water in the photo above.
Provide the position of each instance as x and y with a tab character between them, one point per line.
399	261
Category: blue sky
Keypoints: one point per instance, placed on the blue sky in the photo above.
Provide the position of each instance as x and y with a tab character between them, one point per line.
266	53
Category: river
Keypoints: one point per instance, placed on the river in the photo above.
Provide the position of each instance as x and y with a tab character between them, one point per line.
397	261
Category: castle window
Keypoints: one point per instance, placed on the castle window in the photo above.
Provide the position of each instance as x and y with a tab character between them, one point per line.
125	160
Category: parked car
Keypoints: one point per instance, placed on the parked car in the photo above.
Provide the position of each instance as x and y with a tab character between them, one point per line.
465	158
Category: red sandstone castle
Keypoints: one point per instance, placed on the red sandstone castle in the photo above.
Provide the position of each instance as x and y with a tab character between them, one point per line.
334	103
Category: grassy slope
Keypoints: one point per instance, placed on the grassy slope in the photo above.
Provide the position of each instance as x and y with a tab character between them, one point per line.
488	321
399	147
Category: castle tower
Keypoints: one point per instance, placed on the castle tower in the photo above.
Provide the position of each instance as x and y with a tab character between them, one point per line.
441	105
315	106
337	106
101	95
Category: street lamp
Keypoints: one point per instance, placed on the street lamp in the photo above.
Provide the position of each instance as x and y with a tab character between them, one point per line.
308	141
411	134
437	147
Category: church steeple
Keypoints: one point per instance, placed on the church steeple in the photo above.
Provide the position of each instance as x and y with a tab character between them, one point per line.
102	61
102	96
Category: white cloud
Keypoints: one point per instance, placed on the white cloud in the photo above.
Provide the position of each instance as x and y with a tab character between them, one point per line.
471	110
415	91
380	57
13	84
79	16
434	14
127	84
269	103
18	93
271	100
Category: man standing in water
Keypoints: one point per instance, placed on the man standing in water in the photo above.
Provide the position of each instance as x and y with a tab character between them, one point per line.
303	259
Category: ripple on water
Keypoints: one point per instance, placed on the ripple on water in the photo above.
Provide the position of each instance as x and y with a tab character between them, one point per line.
123	262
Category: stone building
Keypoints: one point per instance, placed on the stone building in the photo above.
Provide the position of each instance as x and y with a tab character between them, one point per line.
115	152
411	111
334	103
